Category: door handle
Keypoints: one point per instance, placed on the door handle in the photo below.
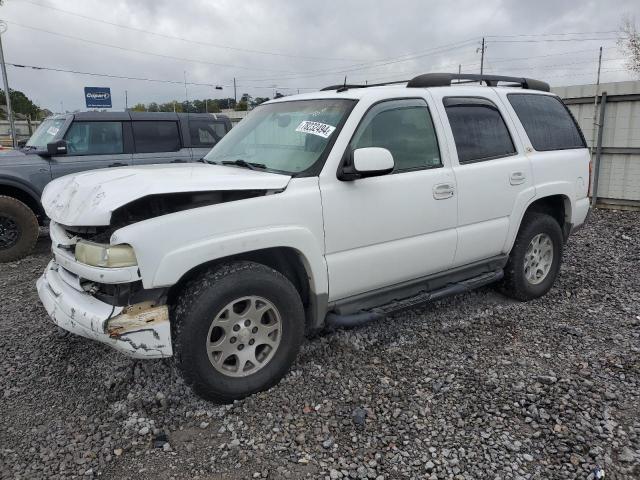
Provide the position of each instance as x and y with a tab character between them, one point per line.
517	178
442	191
178	160
117	164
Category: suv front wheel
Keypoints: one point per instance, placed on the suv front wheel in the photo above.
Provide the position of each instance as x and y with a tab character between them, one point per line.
535	258
18	229
238	329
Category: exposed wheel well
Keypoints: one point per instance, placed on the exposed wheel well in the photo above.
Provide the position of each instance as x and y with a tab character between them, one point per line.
285	260
558	206
24	197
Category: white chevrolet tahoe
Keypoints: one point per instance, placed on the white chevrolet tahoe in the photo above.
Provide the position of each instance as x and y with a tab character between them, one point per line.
329	208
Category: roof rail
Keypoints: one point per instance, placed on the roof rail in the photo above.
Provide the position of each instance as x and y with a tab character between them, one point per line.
444	80
346	86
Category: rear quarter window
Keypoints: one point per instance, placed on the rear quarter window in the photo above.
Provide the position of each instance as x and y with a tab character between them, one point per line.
547	121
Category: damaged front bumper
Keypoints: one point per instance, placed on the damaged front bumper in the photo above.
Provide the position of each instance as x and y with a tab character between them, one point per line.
140	331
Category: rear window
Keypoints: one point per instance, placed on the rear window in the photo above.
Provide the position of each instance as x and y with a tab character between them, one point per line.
547	121
478	129
206	133
154	136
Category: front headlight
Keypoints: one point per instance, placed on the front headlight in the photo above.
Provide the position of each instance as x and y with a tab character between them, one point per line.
108	256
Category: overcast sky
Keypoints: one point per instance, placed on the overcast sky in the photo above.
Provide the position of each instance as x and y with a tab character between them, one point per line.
300	44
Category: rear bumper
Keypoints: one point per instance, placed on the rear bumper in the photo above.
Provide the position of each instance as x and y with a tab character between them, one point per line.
582	211
142	332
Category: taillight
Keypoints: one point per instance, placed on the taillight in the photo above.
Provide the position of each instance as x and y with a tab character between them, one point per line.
589	184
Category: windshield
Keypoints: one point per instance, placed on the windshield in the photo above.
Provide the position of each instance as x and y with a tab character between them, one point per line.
45	133
287	136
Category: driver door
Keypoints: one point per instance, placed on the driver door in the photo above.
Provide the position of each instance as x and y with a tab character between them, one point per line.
385	230
91	145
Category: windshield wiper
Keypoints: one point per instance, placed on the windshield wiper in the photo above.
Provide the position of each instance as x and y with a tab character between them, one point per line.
243	163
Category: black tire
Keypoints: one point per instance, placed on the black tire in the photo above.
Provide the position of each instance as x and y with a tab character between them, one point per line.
18	229
207	295
515	283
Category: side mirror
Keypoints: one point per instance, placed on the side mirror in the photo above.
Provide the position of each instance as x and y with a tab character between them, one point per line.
368	162
59	147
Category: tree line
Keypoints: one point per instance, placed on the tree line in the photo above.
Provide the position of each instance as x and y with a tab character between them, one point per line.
208	105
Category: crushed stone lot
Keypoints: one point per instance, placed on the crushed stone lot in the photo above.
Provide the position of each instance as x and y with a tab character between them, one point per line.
472	387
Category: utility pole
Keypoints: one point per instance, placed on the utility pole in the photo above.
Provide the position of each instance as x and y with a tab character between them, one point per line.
7	96
235	95
186	95
126	101
596	125
482	49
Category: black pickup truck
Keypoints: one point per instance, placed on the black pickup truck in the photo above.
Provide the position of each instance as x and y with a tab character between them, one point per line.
65	144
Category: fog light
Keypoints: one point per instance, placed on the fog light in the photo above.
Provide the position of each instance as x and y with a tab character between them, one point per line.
107	256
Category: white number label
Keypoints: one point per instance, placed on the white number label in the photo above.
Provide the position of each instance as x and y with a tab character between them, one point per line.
316	128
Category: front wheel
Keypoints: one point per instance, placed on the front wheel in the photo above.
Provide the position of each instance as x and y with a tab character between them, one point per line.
18	229
535	258
238	329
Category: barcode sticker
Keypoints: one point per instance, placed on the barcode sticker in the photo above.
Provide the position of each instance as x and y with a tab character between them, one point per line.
316	128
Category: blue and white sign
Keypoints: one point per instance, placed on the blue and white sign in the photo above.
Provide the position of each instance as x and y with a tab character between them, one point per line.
97	97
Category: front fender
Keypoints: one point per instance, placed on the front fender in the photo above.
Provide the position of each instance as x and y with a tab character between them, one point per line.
169	246
173	265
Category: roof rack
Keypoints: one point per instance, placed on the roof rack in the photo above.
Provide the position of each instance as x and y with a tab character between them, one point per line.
445	79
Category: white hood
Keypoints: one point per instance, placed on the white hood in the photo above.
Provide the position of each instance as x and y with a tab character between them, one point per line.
89	198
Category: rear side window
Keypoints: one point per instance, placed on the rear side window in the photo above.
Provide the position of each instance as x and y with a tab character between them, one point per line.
547	121
478	129
153	136
206	133
94	138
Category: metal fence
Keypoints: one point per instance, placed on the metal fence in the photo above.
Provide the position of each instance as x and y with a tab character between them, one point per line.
616	167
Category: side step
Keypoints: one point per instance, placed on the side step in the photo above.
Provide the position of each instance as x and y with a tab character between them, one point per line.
360	318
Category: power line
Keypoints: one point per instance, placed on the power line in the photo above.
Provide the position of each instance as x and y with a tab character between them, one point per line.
542	40
144	79
183	39
551	34
374	64
191	60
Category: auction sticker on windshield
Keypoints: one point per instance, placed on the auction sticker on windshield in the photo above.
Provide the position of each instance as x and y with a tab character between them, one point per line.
316	128
52	131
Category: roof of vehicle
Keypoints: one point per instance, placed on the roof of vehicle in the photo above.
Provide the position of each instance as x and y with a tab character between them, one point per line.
440	81
129	115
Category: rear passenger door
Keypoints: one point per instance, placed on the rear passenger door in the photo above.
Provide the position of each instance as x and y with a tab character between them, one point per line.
204	133
492	172
90	145
158	141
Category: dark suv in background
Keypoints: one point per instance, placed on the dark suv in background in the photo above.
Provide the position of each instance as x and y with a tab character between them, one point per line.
66	144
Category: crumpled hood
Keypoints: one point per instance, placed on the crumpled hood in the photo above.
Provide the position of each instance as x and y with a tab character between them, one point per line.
89	198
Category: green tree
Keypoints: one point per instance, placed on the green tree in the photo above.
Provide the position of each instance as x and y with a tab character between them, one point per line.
241	106
139	107
153	107
20	103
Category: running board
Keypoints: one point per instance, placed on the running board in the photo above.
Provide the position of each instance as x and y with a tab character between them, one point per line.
448	291
365	316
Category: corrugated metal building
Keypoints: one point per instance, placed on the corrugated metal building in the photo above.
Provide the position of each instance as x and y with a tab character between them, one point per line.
619	171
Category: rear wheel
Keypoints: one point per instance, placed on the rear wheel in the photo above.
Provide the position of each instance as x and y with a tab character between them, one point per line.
535	258
18	229
238	329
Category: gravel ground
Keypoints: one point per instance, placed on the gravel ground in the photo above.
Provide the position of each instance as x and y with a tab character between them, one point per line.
472	387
